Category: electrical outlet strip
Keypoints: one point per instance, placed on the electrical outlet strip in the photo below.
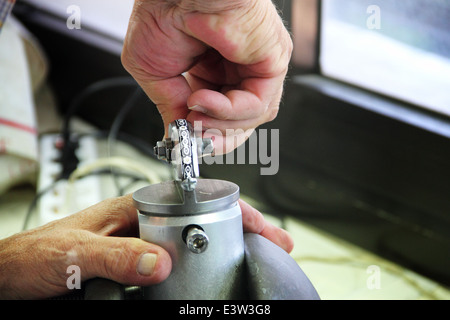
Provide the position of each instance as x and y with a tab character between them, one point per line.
65	198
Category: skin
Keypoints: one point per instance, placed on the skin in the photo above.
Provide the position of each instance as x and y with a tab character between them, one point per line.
101	240
219	62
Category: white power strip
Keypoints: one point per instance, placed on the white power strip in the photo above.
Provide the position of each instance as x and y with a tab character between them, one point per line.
64	199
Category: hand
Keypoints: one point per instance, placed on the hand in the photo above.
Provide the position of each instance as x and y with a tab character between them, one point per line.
220	62
101	241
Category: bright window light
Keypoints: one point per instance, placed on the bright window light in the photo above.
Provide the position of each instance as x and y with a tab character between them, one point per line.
397	48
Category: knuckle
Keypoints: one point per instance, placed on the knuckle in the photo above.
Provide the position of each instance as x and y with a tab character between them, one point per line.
120	259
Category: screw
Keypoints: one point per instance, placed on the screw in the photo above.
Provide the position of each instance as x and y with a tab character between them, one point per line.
196	240
189	184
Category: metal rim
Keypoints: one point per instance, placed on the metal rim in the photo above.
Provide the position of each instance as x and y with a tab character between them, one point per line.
168	198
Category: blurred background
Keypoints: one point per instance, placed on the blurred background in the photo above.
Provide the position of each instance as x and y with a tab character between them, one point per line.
364	135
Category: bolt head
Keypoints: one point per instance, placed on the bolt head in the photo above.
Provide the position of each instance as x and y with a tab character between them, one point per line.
197	240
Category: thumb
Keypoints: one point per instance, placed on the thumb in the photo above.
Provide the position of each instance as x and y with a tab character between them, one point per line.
129	261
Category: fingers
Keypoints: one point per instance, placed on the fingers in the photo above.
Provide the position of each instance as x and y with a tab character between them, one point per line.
278	236
40	263
228	91
236	61
254	222
116	216
134	261
123	259
169	95
128	261
233	105
252	101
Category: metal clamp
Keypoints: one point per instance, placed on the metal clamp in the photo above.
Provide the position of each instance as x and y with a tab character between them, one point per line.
182	148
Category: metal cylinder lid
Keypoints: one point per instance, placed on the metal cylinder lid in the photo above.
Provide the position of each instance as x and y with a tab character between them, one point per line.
169	198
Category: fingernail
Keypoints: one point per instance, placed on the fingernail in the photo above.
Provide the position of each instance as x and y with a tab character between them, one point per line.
146	264
198	109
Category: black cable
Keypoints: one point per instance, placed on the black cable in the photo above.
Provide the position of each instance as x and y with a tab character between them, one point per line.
115	128
68	158
95	87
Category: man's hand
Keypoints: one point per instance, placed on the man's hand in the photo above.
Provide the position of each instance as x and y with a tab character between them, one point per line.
221	62
101	241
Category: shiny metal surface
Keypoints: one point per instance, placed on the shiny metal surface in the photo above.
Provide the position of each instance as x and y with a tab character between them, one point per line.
215	273
169	198
182	148
198	222
196	239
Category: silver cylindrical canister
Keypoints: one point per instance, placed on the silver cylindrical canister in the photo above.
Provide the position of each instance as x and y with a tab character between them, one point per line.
202	231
